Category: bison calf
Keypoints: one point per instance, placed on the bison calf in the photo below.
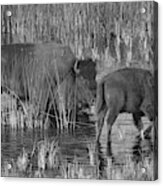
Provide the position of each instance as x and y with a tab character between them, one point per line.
126	90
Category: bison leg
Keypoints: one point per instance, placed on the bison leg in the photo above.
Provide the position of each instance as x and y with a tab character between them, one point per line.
148	110
100	123
138	123
110	117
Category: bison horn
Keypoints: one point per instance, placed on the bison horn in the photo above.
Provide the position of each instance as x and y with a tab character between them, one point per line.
75	67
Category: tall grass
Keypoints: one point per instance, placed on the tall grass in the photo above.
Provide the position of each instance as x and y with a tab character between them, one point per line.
37	87
121	31
29	115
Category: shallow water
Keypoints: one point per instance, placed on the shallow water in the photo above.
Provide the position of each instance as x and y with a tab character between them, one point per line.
126	148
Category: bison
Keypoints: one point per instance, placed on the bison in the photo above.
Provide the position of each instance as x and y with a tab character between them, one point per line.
37	72
128	90
86	83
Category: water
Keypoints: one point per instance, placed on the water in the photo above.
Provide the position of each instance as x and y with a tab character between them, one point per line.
103	160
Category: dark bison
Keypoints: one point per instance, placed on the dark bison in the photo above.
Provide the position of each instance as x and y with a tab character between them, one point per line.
126	90
86	83
38	72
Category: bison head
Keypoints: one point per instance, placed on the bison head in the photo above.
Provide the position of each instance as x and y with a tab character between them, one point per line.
86	83
86	69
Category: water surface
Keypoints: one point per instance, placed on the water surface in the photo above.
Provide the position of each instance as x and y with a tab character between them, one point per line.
125	150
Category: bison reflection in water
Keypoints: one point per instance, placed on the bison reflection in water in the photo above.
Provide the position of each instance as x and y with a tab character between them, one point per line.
111	166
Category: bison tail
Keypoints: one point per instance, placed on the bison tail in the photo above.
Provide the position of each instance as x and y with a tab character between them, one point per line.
100	100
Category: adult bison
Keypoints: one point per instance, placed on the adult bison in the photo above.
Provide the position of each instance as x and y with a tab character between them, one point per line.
39	73
126	90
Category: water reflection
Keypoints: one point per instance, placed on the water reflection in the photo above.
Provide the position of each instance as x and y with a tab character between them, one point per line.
142	149
78	156
138	158
101	162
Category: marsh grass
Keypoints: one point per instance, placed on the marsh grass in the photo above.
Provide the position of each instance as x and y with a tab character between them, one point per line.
35	112
18	116
131	170
46	160
87	25
38	111
38	86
